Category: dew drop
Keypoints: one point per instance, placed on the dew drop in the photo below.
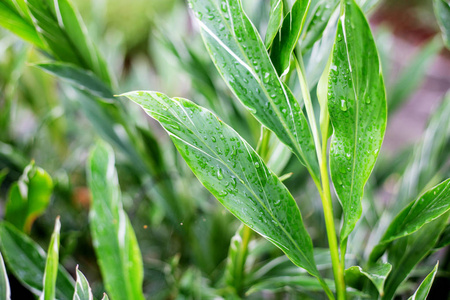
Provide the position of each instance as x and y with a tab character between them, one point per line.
257	165
277	203
266	77
343	105
367	100
219	174
213	139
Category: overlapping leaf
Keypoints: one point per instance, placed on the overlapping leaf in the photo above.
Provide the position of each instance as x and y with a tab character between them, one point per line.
5	290
241	58
425	287
287	37
357	107
275	21
27	260
232	171
51	266
114	240
426	208
376	274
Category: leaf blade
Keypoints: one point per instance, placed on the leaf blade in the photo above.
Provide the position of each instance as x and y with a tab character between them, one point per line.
82	289
424	288
5	290
51	266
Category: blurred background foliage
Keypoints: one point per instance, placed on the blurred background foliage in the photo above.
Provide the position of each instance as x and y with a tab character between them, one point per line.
183	233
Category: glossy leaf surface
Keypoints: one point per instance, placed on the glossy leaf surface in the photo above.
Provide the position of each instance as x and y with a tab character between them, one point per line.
82	289
357	107
5	290
376	274
27	260
241	58
29	197
79	78
426	208
51	266
114	240
275	21
287	37
232	171
404	254
442	12
425	287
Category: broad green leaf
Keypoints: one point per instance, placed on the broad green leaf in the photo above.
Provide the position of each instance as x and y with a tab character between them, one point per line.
114	240
5	290
317	19
424	288
29	197
411	76
26	260
51	267
404	254
287	38
233	172
82	289
357	107
426	208
442	12
275	21
237	255
11	20
79	78
376	274
241	58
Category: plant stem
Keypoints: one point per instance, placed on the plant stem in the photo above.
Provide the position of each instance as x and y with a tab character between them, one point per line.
243	251
324	190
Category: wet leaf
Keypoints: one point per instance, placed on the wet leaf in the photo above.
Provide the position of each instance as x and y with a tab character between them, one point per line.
5	290
426	208
29	197
357	107
287	37
82	289
51	266
241	58
232	171
26	260
114	240
442	12
425	287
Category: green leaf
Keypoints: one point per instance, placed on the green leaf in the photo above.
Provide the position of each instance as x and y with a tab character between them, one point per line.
444	239
275	21
51	267
11	20
424	288
105	297
280	283
82	289
287	37
442	12
316	21
241	58
426	208
79	78
113	237
377	274
233	172
404	254
5	290
3	173
357	107
26	260
29	197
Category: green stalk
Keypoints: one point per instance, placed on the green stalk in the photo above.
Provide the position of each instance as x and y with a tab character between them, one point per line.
243	252
324	190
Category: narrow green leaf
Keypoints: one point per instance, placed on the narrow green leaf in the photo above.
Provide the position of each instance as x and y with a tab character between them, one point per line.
51	267
114	240
357	107
5	290
316	22
241	58
233	172
29	197
3	173
82	289
105	297
404	254
424	288
444	240
442	12
26	260
376	274
275	21
426	208
82	79
287	38
11	20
